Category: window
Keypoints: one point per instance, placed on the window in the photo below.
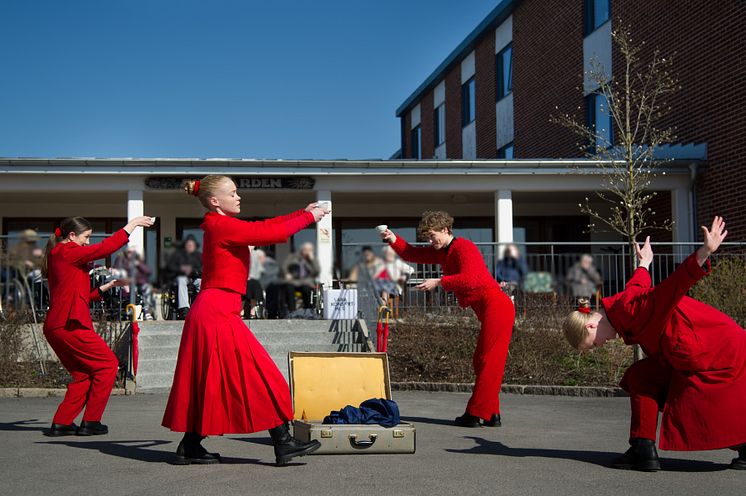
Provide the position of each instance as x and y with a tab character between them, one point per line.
468	103
599	121
504	71
505	151
596	13
439	120
416	142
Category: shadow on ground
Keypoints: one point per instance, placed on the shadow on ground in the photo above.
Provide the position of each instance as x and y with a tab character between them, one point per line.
427	420
601	458
24	425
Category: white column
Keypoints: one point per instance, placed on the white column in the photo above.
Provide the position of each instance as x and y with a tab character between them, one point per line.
136	208
503	218
681	214
324	241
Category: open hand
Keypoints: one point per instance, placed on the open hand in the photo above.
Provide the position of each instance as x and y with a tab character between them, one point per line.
118	283
644	254
714	236
428	284
141	221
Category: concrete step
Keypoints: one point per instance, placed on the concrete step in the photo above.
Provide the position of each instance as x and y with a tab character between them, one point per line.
162	339
159	344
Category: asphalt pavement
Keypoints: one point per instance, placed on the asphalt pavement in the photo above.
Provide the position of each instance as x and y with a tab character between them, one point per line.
547	445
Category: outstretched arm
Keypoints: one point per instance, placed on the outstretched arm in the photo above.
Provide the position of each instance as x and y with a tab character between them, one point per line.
238	232
672	289
713	238
416	254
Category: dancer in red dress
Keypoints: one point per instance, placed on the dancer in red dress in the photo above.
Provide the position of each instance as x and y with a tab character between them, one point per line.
68	326
695	370
225	381
466	274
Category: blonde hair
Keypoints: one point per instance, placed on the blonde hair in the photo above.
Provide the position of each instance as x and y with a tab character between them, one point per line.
574	325
434	220
208	186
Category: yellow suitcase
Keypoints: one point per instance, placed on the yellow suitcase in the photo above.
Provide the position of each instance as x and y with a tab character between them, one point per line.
322	382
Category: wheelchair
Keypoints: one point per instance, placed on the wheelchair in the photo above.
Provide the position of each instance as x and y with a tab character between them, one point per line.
170	294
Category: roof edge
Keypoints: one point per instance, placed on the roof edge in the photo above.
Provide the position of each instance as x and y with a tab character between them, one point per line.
498	14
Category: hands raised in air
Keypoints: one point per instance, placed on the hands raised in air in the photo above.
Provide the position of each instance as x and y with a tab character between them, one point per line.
713	238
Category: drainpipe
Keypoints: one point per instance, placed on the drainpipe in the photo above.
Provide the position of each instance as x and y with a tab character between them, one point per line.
693	170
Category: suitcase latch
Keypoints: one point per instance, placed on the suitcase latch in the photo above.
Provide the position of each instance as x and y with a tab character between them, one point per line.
326	434
398	433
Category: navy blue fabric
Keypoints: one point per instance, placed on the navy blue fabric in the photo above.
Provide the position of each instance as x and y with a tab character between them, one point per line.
374	411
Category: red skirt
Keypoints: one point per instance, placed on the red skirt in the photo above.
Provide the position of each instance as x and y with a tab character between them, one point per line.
225	381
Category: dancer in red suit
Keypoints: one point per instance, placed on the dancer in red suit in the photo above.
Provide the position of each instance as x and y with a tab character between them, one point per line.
465	273
695	370
225	381
69	328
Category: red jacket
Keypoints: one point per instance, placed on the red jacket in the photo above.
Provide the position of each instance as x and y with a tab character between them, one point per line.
225	256
464	270
706	403
69	283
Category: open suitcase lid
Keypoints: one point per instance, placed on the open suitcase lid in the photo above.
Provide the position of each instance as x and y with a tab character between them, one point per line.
321	382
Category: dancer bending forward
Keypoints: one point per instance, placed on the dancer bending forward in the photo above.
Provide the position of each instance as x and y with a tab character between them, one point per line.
225	381
695	370
466	274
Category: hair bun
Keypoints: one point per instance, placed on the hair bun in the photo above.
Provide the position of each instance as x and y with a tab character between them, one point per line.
191	187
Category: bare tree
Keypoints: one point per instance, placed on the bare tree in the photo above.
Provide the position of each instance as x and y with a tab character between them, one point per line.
635	102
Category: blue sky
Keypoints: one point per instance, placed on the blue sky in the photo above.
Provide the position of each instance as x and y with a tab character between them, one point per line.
217	78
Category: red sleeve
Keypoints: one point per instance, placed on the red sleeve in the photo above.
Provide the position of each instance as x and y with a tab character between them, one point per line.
417	254
667	294
284	218
81	255
95	295
639	305
470	265
640	279
237	232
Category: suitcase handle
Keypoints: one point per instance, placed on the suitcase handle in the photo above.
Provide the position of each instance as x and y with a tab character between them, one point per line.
362	444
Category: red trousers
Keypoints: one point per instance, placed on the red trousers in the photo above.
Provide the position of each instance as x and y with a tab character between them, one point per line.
496	313
93	367
647	383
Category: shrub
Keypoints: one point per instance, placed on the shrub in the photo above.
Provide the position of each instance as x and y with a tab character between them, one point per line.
439	348
725	288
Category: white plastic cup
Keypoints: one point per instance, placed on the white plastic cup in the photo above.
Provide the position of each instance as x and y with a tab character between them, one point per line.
382	228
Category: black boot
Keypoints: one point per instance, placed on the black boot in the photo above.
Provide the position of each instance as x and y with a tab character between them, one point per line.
467	420
191	451
740	462
62	430
641	455
287	447
494	421
92	428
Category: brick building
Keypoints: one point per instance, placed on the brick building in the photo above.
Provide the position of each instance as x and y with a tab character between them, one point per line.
493	96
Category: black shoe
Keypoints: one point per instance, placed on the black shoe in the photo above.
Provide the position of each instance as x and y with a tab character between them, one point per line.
494	421
92	428
62	430
467	420
190	451
642	456
740	462
287	447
